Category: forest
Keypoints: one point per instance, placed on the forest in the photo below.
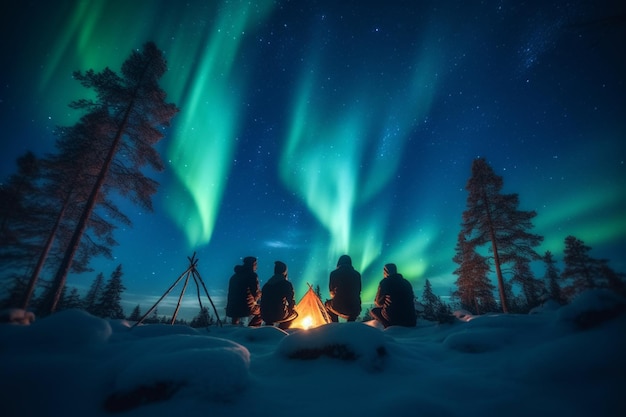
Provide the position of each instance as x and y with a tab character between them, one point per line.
57	215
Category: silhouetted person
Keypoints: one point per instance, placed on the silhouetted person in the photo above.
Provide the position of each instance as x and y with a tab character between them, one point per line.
394	300
345	291
243	293
277	302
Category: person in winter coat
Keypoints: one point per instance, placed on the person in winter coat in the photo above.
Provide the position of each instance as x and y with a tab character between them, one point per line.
345	291
243	293
394	300
277	302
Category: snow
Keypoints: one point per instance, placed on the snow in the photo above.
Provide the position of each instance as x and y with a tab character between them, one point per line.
558	361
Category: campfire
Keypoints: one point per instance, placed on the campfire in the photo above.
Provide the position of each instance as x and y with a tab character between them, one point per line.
311	311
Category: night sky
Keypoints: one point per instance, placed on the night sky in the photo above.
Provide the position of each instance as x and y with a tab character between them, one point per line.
310	129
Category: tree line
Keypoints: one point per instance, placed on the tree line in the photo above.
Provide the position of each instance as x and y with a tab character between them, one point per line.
104	299
496	234
57	211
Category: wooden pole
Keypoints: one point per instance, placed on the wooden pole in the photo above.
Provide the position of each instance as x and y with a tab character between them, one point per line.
181	297
162	297
190	271
209	297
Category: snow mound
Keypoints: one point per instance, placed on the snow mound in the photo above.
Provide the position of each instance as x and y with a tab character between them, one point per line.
345	341
151	330
593	308
258	334
476	341
158	368
68	330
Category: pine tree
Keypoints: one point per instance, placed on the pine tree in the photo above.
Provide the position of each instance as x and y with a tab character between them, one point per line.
14	294
516	303
63	188
109	305
15	215
94	294
443	314
434	307
614	280
20	218
580	268
203	319
71	300
552	278
493	218
474	290
318	291
127	115
64	191
136	314
153	318
430	302
532	288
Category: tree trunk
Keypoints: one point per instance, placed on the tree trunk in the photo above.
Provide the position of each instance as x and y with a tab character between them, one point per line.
44	255
61	276
496	258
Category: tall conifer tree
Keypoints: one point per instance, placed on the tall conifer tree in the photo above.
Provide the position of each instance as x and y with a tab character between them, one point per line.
532	288
127	115
94	293
552	278
474	289
65	188
135	315
493	218
580	268
109	305
20	217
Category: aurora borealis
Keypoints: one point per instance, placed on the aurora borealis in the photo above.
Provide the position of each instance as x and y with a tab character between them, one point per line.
312	129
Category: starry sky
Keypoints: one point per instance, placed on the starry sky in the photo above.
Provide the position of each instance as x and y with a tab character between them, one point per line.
310	129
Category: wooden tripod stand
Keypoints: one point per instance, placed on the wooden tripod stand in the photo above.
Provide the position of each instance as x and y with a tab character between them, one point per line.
192	272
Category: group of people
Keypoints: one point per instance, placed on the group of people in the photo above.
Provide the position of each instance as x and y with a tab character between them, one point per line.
274	304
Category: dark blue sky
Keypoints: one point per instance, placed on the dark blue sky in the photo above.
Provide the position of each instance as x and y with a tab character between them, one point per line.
312	129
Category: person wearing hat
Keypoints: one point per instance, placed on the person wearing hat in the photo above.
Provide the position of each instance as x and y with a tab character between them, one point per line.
345	291
243	293
394	300
278	302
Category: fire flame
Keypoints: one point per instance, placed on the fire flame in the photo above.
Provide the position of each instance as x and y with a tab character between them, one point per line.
307	322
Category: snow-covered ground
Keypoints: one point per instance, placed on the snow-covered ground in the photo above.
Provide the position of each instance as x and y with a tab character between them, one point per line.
568	361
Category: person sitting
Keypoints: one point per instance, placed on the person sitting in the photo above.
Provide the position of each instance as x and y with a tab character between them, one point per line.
345	291
243	293
394	300
278	302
